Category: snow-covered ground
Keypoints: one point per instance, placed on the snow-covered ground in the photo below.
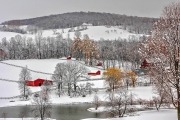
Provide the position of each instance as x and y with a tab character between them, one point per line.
9	89
43	65
8	35
147	115
23	119
94	32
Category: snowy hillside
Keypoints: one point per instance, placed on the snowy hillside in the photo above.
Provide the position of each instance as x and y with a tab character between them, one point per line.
8	35
94	32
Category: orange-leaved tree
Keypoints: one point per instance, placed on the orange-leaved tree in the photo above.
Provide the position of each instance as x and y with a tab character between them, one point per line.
76	48
113	77
90	50
129	77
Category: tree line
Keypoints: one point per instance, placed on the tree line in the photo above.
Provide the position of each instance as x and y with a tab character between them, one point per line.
109	52
134	24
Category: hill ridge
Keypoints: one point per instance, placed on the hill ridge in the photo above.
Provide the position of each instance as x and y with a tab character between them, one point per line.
72	19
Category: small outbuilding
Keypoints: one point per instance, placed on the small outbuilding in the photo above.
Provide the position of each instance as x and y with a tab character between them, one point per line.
94	73
145	64
99	64
69	58
1	54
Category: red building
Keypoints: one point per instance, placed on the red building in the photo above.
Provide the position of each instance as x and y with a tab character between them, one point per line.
99	64
145	64
69	58
37	82
1	54
94	73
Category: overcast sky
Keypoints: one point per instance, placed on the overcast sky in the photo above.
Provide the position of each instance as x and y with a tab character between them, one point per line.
21	9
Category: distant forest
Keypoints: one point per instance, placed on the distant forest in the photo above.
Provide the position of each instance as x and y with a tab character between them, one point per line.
134	24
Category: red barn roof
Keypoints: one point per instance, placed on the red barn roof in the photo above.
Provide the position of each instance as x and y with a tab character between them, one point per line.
37	82
94	73
69	58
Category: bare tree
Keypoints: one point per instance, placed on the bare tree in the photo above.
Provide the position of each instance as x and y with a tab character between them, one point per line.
129	78
21	115
96	101
119	101
76	48
23	77
89	49
73	73
4	115
57	77
77	34
42	105
163	49
54	31
38	39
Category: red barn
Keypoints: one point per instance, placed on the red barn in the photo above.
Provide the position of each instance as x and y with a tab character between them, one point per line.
37	82
145	64
94	73
69	58
1	53
99	64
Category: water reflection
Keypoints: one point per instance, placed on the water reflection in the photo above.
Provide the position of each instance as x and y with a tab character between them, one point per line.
60	112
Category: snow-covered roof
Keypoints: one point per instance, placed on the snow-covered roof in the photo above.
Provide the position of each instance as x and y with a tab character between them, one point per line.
87	24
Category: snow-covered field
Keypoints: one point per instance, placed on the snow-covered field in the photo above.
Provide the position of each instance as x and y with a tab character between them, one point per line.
43	65
10	89
94	32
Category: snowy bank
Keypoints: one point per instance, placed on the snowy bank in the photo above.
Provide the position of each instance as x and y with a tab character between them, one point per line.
24	119
166	114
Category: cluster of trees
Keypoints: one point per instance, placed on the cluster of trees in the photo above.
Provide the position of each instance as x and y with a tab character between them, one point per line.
117	52
14	29
133	24
41	105
163	50
119	102
115	78
110	52
118	97
19	47
84	49
66	76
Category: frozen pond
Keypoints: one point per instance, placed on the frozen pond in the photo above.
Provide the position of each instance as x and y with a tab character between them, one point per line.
59	112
